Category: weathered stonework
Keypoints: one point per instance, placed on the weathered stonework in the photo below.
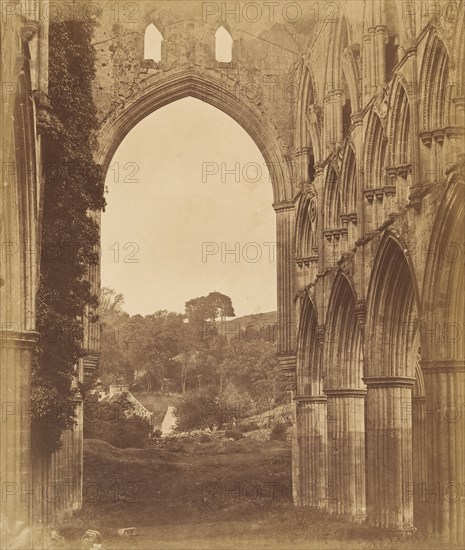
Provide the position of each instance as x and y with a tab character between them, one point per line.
358	111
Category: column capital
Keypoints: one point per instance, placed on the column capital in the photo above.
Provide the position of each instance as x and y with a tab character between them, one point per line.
25	339
283	206
90	362
300	151
287	364
443	365
310	399
389	381
320	334
360	311
345	392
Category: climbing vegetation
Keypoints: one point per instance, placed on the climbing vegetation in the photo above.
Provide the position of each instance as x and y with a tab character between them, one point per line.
74	188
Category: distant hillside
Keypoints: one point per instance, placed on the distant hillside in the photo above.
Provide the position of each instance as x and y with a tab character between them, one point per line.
257	326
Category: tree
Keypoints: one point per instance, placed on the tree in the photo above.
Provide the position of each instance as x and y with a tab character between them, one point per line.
198	409
252	367
110	301
159	340
110	422
203	311
118	335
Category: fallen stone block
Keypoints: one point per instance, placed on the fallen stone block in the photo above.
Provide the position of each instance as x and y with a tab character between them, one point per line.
91	540
127	532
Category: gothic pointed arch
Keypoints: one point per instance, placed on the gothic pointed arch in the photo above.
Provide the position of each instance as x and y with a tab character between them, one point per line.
375	152
341	89
349	179
435	78
444	286
391	312
343	352
346	402
392	317
191	83
443	351
400	140
152	43
307	224
308	124
223	45
332	198
308	359
393	36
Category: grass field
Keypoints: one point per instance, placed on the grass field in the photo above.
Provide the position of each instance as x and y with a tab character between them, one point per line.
216	494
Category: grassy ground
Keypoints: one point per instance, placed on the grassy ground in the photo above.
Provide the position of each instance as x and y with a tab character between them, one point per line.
217	494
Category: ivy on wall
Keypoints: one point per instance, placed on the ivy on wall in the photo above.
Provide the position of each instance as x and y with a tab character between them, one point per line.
74	186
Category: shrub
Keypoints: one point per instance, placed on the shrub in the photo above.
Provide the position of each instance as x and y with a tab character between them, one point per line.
107	421
197	410
233	434
245	427
279	432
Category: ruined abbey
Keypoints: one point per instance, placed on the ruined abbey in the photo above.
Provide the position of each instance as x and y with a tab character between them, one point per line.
358	108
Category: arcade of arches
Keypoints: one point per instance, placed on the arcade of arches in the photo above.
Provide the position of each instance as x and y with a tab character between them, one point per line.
360	118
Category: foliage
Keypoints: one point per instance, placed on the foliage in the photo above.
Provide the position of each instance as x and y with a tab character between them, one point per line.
139	345
198	410
248	426
233	434
158	341
117	334
222	382
253	369
202	312
70	236
107	421
279	432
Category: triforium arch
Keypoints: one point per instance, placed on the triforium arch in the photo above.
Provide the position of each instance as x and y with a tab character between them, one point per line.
345	390
310	450
443	362
401	166
389	373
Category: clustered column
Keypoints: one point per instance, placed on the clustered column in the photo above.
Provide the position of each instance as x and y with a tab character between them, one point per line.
389	452
311	466
346	452
445	424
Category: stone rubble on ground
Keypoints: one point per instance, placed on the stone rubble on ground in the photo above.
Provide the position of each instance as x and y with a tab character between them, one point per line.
127	532
91	540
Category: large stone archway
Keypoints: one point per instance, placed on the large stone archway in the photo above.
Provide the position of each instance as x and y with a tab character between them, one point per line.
195	84
389	224
390	377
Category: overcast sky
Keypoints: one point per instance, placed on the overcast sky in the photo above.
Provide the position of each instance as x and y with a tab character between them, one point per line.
174	211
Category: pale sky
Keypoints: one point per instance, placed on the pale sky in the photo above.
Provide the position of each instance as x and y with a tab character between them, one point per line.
174	211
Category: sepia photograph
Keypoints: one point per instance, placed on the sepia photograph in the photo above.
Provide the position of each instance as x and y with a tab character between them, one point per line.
232	275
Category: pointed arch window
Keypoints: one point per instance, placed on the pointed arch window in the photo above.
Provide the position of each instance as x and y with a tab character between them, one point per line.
376	155
349	182
333	200
223	46
392	42
152	43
